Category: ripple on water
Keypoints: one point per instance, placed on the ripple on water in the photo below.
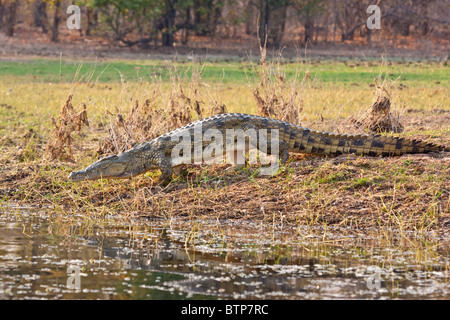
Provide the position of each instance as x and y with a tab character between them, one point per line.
44	257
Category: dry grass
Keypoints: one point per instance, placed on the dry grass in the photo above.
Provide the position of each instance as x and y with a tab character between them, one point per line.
277	96
60	143
159	113
407	193
379	117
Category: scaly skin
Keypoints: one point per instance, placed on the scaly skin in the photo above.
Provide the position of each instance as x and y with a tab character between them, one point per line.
156	154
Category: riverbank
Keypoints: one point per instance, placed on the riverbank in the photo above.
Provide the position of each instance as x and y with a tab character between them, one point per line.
408	193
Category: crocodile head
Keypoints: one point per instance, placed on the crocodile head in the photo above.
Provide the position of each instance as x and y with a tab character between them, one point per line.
120	166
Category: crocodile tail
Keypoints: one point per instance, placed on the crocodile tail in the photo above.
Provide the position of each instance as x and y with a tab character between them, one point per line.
310	141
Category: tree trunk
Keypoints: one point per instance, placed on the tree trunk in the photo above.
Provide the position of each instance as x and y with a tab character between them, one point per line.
1	14
309	30
40	15
424	25
169	25
10	8
276	31
56	20
368	36
185	35
264	20
91	20
250	18
405	29
198	22
425	28
216	15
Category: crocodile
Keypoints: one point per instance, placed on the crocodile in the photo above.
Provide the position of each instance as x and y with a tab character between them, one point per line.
289	138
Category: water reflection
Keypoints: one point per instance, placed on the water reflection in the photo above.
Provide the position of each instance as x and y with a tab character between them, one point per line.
68	258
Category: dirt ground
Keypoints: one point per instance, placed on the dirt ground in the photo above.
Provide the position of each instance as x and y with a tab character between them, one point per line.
28	43
409	192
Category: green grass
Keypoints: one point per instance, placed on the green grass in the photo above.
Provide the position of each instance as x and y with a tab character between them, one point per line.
32	89
60	71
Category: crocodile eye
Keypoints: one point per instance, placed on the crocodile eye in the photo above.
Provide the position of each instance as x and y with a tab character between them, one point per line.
109	157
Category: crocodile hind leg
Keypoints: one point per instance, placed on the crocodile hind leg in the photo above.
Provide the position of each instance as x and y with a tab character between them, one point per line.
237	145
272	146
237	158
282	155
283	152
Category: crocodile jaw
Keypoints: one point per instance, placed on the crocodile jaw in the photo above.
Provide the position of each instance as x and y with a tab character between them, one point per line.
112	167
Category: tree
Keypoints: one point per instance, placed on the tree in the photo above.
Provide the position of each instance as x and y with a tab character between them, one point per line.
272	21
249	17
206	16
143	22
132	22
2	13
90	15
168	22
308	11
9	10
40	18
350	16
55	5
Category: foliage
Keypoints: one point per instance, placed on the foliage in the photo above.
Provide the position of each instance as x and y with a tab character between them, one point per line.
146	22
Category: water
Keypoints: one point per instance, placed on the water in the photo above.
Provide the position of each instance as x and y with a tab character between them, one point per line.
58	257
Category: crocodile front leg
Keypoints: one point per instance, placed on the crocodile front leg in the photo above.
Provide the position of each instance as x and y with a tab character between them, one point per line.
273	146
166	171
164	164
